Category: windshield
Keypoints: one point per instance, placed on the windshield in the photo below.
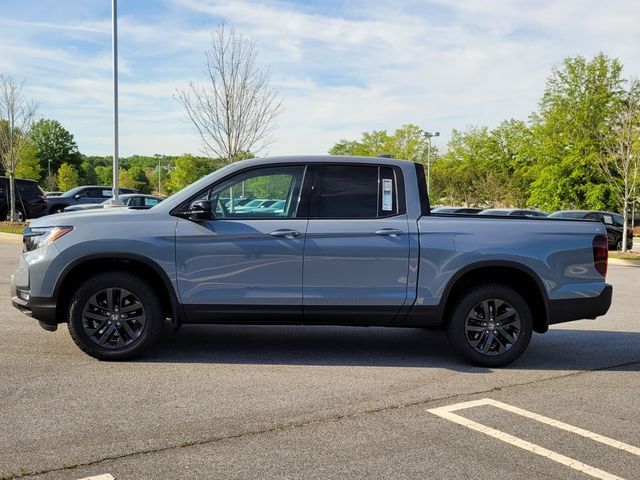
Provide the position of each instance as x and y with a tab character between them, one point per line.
567	215
72	192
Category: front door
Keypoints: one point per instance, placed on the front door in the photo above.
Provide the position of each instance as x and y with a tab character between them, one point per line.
357	246
246	264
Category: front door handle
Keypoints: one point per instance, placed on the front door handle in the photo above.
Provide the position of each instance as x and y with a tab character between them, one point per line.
285	233
392	232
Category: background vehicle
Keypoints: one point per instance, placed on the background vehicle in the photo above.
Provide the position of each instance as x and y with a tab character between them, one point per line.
355	244
613	222
511	212
255	204
30	199
136	200
82	195
458	210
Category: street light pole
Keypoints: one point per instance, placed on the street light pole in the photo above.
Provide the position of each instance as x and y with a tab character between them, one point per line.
49	177
115	200
159	177
428	136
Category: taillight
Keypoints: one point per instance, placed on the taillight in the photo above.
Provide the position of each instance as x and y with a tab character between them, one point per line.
601	254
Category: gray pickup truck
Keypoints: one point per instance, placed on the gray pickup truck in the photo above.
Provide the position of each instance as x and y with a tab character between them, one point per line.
352	242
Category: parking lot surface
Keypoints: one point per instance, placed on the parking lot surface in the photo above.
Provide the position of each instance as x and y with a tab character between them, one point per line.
321	402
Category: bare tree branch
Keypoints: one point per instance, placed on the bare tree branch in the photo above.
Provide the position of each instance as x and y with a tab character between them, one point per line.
17	115
621	161
234	111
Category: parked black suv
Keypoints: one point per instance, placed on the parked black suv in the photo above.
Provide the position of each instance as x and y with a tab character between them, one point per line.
613	223
30	199
81	195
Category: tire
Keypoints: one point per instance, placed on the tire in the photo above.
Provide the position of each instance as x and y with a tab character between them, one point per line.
619	245
126	328
20	215
490	343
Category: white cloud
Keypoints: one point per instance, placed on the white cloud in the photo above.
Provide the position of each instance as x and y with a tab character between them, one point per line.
340	70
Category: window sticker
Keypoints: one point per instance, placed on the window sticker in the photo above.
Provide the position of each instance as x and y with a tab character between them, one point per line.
387	194
608	219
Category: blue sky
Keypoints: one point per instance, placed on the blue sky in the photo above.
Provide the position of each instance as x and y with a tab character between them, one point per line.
341	67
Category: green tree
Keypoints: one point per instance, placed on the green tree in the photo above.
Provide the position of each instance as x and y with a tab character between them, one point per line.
188	169
134	178
88	174
104	174
29	166
574	117
141	180
53	142
67	177
407	142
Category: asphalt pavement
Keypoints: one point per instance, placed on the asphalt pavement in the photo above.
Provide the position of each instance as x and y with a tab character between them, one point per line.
322	402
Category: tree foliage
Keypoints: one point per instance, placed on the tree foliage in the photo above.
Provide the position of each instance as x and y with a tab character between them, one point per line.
407	142
54	142
29	166
552	161
574	116
67	177
188	169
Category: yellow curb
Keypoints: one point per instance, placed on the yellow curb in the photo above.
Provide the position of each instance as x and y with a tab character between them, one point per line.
10	237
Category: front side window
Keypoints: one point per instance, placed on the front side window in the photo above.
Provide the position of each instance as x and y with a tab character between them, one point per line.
272	192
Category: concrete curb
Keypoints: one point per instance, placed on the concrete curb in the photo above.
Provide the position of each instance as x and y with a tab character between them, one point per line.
10	237
623	261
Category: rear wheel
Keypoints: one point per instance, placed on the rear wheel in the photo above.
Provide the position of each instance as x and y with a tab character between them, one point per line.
19	215
115	316
491	325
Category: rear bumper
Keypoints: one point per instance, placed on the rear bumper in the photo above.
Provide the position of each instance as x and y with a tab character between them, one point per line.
578	308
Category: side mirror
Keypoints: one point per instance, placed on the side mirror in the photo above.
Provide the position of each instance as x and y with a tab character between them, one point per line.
200	210
77	196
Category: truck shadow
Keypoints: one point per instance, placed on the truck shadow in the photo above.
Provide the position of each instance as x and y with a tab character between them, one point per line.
558	349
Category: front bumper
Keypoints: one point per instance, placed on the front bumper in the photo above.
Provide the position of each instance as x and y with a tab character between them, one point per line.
561	311
41	308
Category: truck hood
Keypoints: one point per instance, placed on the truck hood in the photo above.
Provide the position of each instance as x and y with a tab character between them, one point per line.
87	216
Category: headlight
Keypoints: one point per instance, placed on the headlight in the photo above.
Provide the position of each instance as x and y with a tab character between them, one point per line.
36	237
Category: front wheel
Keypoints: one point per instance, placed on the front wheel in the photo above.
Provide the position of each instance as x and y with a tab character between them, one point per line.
115	316
491	325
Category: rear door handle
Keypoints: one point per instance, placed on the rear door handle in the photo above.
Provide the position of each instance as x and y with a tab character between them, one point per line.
285	233
392	232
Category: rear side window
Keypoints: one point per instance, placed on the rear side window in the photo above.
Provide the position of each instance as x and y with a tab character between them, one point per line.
28	189
355	191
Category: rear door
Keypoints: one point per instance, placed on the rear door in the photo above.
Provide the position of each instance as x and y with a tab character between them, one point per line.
357	244
246	264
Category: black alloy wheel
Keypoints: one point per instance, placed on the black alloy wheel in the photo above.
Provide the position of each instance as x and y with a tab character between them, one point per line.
115	315
113	318
490	325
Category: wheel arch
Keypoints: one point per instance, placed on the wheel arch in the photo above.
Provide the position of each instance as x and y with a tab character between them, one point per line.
87	266
514	275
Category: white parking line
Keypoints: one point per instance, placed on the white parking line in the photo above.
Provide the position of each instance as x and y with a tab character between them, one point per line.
104	476
446	412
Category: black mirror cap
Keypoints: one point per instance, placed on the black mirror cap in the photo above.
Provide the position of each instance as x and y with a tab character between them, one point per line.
200	210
